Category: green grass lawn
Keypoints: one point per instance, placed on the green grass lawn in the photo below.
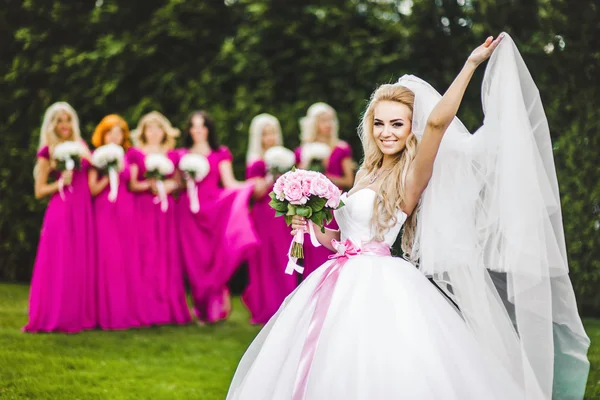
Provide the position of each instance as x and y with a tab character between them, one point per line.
183	362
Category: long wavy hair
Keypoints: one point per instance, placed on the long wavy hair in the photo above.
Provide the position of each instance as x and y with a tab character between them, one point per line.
209	123
171	133
48	136
393	185
257	126
107	123
309	126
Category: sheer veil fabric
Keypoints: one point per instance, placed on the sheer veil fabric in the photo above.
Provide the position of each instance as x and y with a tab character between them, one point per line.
490	231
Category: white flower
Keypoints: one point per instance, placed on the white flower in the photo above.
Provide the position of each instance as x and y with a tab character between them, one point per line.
195	165
68	150
315	151
280	158
159	164
109	155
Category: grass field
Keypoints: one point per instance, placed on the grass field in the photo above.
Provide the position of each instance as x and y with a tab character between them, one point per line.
184	362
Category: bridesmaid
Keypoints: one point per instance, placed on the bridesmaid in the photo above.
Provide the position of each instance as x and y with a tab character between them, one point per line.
217	239
119	303
321	125
62	296
164	291
268	284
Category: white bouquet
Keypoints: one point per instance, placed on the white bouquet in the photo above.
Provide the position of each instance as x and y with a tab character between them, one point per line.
68	155
313	155
110	158
279	160
195	168
158	166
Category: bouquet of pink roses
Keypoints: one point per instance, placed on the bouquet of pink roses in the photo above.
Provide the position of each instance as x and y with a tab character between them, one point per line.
307	194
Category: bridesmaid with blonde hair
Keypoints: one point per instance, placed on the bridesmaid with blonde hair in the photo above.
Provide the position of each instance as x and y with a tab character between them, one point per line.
320	126
268	286
119	286
162	274
62	295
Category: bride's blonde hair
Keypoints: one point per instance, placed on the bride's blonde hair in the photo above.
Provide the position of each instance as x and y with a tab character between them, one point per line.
392	190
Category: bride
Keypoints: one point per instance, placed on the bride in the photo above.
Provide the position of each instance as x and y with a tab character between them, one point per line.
480	216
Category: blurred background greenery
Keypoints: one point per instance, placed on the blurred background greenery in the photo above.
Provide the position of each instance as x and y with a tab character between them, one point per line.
238	58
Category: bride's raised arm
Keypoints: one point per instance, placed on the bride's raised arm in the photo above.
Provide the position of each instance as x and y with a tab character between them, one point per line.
439	120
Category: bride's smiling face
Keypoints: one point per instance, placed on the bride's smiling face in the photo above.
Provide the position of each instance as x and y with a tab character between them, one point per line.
391	126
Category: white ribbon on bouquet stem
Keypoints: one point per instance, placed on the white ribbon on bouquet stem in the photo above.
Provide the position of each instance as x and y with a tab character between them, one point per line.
162	196
292	264
69	166
113	180
192	191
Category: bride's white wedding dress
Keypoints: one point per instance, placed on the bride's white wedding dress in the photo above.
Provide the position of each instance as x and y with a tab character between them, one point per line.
388	333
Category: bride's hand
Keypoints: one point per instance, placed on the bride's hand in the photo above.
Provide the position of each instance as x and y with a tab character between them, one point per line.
484	51
298	224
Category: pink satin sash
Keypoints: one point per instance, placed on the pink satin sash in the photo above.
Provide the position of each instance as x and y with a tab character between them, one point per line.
322	296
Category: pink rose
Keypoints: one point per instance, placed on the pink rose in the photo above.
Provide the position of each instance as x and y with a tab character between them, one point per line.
278	187
334	199
320	187
306	183
292	190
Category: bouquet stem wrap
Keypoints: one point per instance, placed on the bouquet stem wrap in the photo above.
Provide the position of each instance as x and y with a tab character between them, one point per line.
113	181
297	249
162	196
192	192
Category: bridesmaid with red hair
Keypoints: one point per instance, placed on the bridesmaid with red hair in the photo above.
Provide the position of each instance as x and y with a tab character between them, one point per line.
119	286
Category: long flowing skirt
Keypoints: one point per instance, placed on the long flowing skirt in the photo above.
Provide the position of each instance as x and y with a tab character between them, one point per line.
63	288
388	334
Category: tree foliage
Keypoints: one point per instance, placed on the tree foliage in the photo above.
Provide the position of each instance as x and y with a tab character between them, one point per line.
238	58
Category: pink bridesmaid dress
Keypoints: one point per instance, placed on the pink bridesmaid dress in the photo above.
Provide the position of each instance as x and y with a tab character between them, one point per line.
216	240
268	284
120	300
161	268
62	295
314	257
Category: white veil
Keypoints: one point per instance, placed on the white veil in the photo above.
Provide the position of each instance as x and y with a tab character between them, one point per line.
490	233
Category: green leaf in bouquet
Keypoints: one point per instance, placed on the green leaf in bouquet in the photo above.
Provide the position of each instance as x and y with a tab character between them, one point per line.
304	211
328	215
291	209
317	218
279	213
342	204
153	175
191	174
317	203
288	219
273	196
278	205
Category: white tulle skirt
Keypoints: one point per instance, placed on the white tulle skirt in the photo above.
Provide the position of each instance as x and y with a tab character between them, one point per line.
388	334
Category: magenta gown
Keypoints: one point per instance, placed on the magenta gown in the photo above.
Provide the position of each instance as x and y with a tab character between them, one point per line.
120	300
62	296
216	240
268	284
314	257
163	295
